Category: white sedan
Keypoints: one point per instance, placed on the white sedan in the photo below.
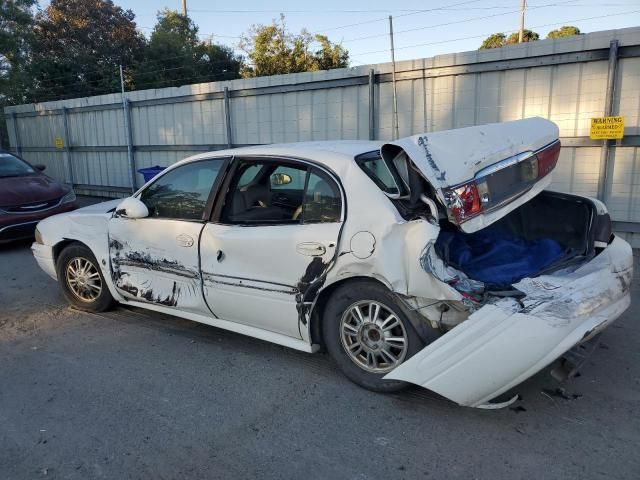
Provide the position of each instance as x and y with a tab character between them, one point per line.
438	259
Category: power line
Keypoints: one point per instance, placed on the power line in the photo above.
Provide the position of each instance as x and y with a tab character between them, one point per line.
473	19
510	31
401	15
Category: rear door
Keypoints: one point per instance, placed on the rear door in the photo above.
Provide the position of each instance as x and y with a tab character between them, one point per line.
481	173
271	243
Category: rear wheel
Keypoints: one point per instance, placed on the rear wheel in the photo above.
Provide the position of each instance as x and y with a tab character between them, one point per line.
81	279
368	333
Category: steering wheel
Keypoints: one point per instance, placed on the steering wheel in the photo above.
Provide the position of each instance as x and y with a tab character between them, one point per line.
297	213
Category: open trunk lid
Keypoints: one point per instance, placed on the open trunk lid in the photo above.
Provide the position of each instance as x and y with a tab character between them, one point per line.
482	173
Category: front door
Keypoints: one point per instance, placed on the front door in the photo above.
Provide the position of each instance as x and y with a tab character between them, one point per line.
155	259
267	252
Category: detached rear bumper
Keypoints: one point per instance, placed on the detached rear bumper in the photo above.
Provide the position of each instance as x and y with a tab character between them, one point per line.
503	344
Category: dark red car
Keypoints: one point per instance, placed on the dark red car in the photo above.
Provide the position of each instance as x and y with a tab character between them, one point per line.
27	196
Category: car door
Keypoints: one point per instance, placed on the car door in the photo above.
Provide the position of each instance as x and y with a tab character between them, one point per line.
262	261
155	259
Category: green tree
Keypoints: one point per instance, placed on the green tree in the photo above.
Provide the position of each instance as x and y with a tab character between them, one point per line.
566	31
528	36
16	28
498	40
78	45
495	40
272	50
175	56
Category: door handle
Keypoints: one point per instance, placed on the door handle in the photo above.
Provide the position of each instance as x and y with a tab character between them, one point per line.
184	240
219	255
311	249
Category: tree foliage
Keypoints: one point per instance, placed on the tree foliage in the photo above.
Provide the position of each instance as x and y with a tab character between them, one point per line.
495	40
565	31
272	50
498	40
16	26
78	46
175	56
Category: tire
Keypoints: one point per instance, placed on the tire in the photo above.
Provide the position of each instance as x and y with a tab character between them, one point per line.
342	330
85	291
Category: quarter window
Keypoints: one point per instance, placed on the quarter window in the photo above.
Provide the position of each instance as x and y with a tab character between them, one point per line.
182	193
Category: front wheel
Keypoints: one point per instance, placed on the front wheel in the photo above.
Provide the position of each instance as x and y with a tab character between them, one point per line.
81	280
368	334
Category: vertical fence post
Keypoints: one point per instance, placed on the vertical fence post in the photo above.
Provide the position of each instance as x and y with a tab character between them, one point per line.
67	145
227	117
130	157
606	163
372	105
16	133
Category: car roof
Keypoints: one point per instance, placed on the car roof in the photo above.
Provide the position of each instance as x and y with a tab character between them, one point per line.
330	153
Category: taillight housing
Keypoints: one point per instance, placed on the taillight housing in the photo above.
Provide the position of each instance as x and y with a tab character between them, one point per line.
463	201
548	158
500	183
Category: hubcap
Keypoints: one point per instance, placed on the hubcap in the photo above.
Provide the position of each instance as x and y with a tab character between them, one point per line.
83	279
373	336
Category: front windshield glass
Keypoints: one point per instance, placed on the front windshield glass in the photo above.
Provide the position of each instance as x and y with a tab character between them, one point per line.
11	166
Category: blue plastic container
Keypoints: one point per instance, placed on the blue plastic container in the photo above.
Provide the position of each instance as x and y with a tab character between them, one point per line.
150	172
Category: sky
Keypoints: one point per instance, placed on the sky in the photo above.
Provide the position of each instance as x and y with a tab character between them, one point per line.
422	28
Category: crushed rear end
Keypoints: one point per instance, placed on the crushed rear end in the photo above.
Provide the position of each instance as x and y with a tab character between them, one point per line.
538	272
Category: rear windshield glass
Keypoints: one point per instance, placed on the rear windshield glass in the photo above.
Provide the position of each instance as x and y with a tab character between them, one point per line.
11	166
378	171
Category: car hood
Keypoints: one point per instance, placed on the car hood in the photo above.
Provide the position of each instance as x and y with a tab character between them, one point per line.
29	189
104	207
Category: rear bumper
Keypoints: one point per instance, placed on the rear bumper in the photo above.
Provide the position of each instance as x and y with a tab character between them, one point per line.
503	344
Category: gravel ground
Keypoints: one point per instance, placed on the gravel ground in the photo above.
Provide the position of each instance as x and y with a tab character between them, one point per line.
134	394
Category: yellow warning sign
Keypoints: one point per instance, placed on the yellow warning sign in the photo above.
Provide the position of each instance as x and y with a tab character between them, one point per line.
59	143
607	128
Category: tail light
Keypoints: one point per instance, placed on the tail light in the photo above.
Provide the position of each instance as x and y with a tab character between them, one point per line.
547	159
500	183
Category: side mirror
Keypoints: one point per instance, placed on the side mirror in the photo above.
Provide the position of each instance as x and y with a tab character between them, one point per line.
132	208
280	179
40	167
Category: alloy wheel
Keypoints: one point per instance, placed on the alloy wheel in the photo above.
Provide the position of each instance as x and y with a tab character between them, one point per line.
373	336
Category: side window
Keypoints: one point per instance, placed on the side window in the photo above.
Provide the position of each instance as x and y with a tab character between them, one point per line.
183	192
276	194
288	178
322	202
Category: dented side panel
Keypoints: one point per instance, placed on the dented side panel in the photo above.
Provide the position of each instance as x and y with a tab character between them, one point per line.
260	276
503	344
152	261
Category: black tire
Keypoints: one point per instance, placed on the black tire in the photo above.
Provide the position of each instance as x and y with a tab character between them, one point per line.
343	300
77	252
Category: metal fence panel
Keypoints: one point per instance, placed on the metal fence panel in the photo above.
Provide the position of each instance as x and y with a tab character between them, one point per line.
564	80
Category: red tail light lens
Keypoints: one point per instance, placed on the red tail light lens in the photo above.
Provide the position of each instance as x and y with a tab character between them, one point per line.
547	159
464	201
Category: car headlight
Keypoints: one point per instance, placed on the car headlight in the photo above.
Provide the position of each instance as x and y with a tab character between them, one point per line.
69	197
39	237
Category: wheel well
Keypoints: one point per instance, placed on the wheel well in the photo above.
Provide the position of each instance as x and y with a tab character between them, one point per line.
60	246
324	296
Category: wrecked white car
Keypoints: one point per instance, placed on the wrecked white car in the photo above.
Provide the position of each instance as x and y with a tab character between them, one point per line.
438	259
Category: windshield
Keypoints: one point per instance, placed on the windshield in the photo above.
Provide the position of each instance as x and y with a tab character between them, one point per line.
11	166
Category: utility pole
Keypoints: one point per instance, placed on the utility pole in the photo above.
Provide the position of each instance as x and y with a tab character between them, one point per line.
523	7
184	8
396	129
128	136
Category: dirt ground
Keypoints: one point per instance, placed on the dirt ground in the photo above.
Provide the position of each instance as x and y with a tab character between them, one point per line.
134	394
